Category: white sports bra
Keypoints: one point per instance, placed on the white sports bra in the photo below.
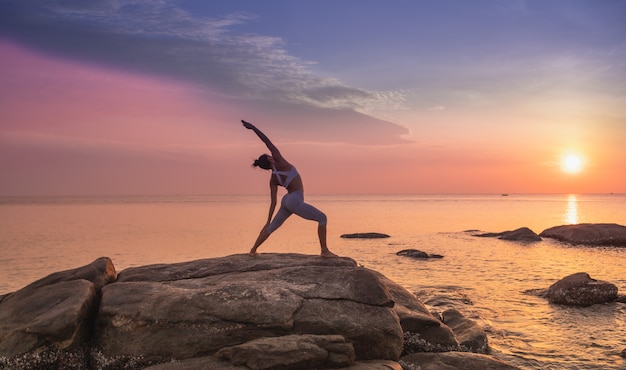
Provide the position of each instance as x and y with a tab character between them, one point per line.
290	175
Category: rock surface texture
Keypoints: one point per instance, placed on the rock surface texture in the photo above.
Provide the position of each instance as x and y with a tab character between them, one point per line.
581	290
588	234
191	309
272	311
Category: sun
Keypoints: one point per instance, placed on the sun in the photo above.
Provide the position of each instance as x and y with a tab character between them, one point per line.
572	163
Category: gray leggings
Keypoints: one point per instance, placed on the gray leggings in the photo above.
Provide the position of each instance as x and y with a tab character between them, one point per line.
294	203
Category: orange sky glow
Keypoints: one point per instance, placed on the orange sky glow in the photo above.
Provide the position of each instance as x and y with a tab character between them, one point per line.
78	126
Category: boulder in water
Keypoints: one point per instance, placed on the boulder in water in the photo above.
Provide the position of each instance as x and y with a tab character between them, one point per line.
523	234
414	253
581	290
588	234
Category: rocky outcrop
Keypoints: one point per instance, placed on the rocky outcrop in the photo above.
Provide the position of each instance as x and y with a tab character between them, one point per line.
190	310
56	311
588	234
523	234
272	311
365	236
455	361
581	290
417	254
424	330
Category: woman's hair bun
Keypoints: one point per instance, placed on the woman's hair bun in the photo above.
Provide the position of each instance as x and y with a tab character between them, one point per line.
262	162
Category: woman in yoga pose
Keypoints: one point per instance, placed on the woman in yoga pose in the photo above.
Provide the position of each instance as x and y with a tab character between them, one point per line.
286	175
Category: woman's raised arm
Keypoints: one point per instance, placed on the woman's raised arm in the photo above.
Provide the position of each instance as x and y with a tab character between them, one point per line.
275	152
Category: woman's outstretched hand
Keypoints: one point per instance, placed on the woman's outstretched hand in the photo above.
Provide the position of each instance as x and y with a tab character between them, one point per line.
247	125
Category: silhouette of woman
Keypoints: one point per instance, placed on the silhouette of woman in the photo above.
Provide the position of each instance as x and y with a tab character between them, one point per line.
285	174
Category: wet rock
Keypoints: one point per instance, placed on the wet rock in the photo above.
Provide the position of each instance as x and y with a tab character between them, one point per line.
522	234
588	234
466	331
581	290
623	353
414	253
455	361
291	352
444	298
365	236
539	292
426	331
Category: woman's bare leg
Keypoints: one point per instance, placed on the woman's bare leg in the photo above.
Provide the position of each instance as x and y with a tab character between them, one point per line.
321	232
263	235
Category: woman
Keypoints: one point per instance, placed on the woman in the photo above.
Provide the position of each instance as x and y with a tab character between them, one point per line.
286	175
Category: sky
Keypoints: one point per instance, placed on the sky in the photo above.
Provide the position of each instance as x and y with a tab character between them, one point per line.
121	97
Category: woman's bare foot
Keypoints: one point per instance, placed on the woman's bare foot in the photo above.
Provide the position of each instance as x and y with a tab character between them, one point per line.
253	253
328	254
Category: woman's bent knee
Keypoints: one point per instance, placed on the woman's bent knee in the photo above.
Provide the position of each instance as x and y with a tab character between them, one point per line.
322	220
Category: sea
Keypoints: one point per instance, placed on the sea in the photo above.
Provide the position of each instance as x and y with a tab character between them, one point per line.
484	278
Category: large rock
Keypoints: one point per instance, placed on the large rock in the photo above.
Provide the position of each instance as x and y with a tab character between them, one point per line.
581	290
589	234
455	361
188	310
54	312
274	311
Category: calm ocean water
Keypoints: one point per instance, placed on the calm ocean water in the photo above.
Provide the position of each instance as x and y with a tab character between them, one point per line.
39	236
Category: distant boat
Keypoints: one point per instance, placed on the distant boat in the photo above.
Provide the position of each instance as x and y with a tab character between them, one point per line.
505	195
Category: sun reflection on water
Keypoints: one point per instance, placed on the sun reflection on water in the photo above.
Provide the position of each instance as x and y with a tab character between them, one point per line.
571	211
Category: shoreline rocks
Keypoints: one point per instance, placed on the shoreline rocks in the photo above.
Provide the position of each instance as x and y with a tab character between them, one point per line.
579	290
417	254
588	234
523	234
285	311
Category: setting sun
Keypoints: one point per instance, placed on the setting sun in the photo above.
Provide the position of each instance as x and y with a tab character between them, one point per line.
572	163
